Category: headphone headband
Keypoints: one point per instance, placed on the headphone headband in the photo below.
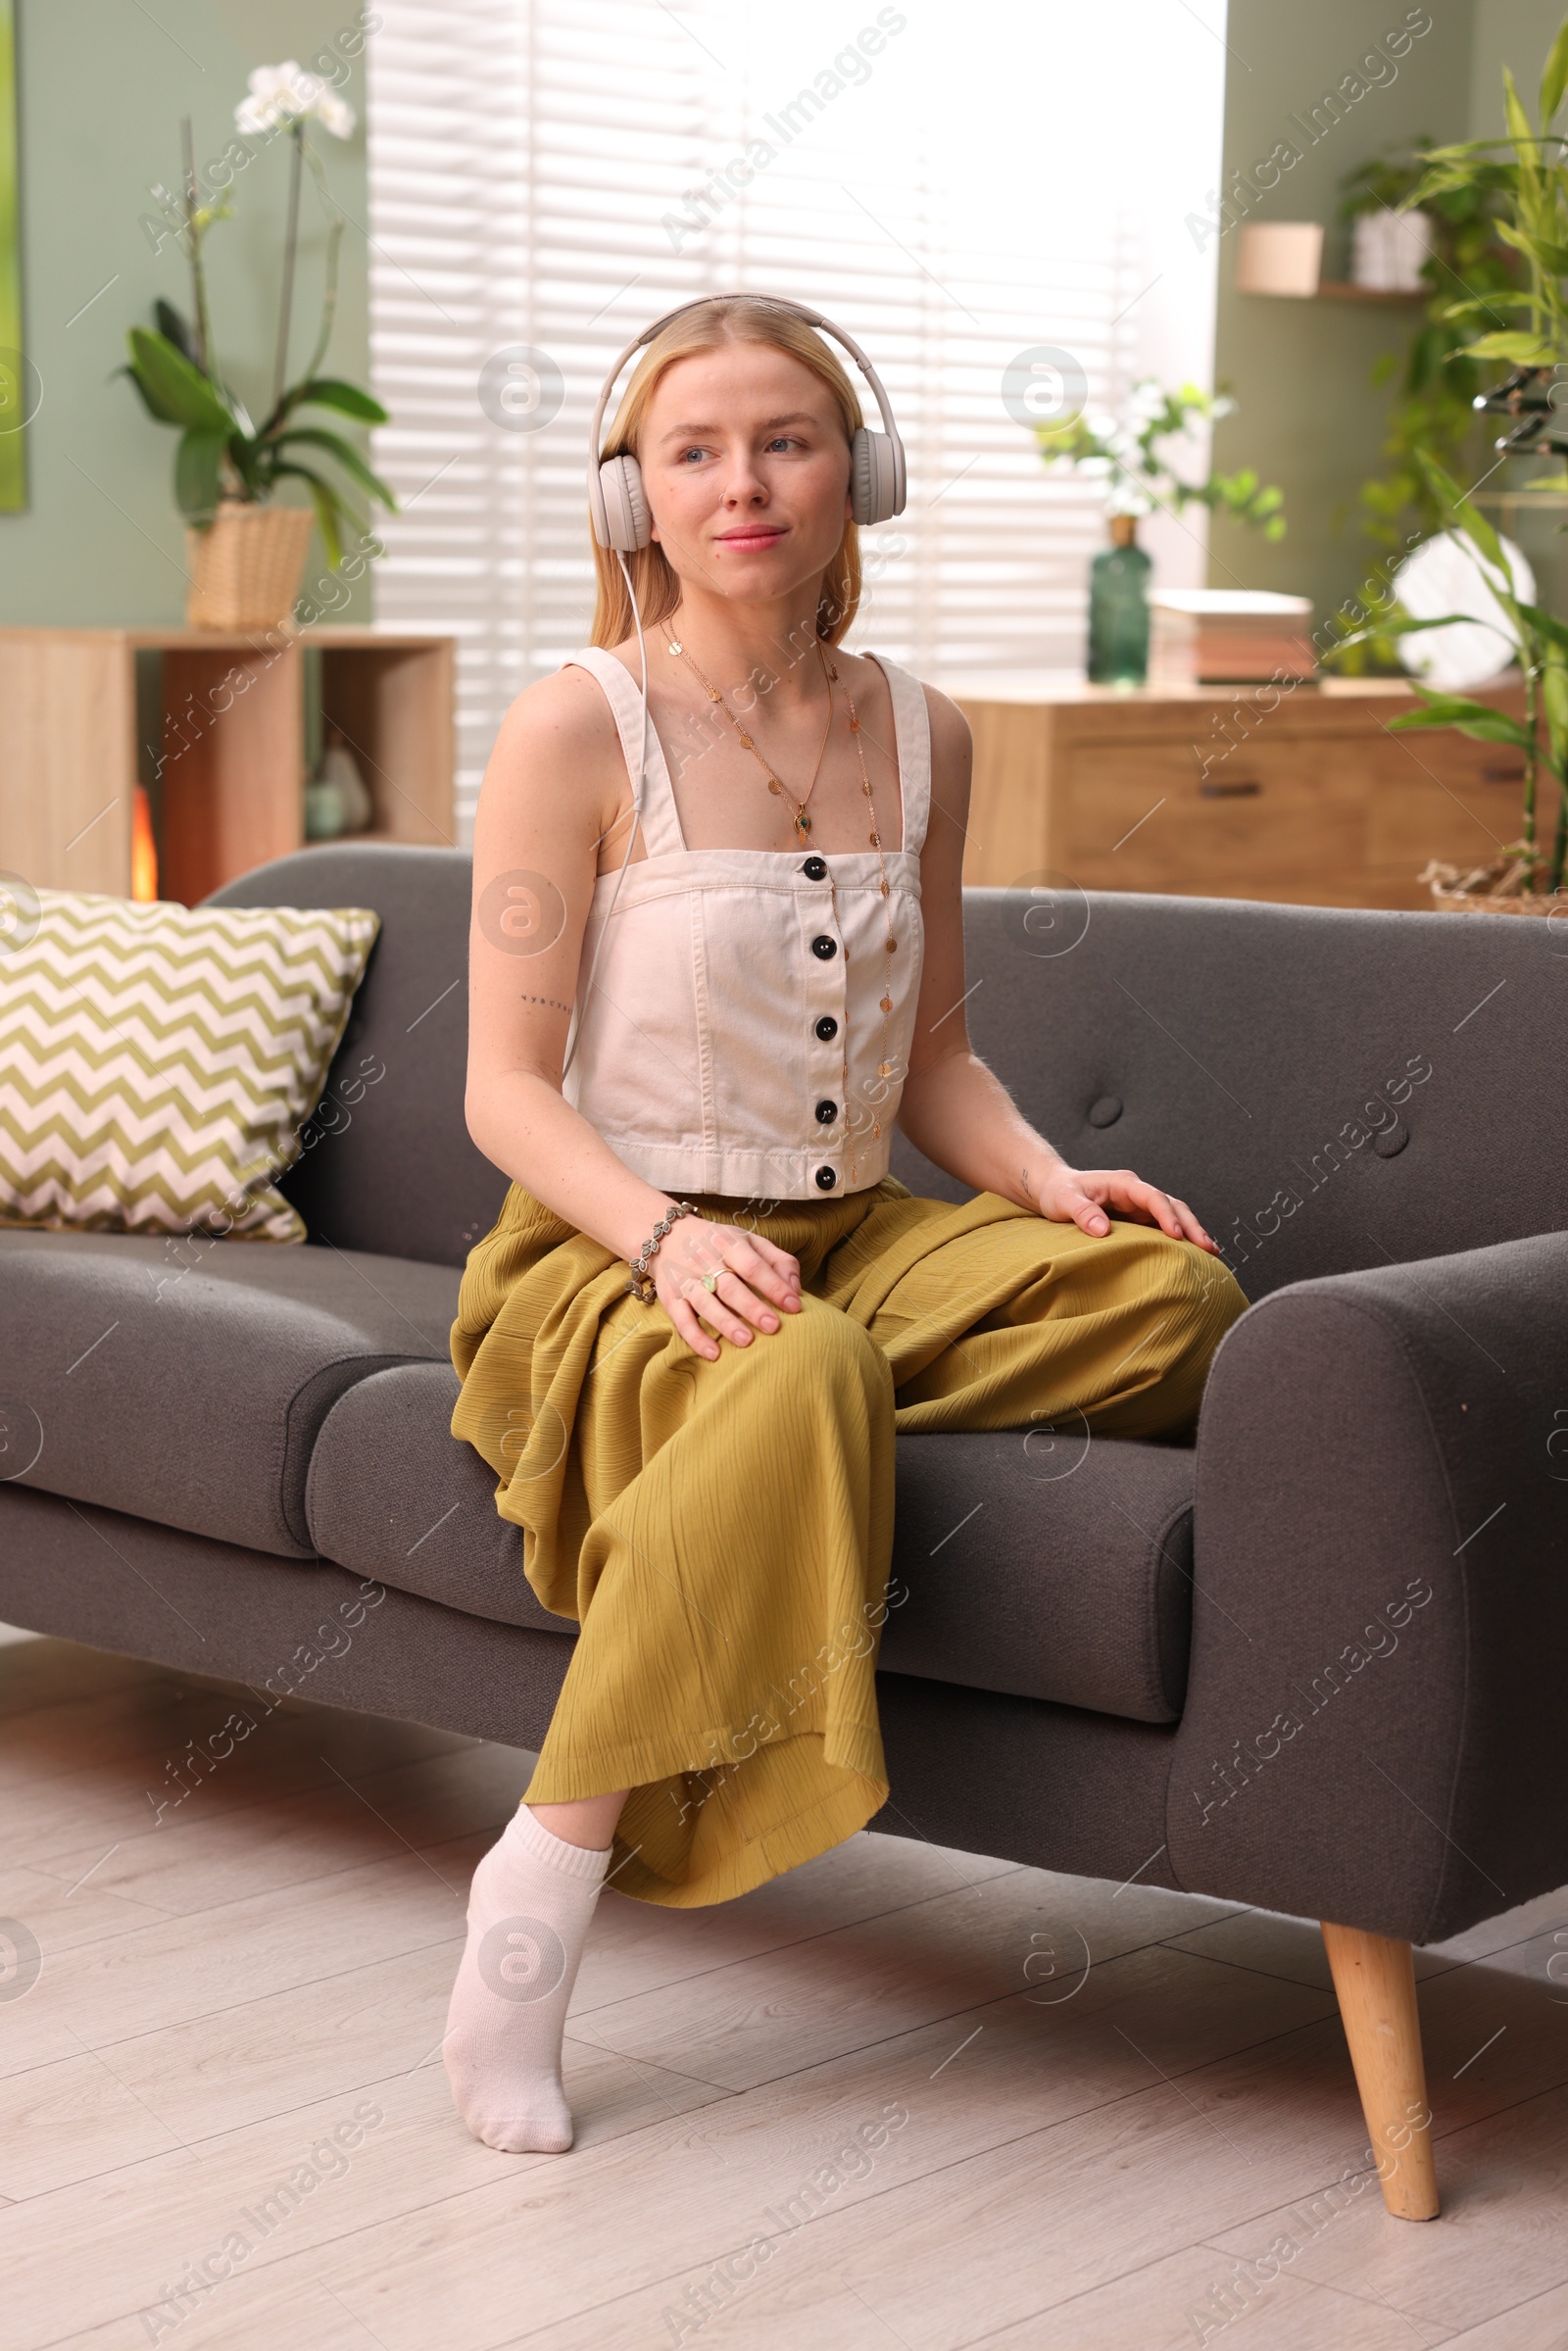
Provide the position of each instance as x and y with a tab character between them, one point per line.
892	488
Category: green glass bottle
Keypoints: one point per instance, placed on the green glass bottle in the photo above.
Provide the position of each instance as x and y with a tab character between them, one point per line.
1118	608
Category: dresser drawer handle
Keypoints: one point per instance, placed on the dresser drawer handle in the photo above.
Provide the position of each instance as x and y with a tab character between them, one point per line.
1236	791
1502	775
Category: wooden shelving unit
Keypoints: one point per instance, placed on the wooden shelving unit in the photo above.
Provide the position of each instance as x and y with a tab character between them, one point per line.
231	755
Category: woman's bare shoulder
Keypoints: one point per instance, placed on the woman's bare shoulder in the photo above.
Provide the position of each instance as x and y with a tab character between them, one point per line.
950	730
568	709
559	739
952	769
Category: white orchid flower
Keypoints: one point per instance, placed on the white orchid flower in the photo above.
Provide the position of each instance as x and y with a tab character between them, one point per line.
283	95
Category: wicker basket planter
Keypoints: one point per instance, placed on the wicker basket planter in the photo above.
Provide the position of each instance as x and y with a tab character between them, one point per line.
246	565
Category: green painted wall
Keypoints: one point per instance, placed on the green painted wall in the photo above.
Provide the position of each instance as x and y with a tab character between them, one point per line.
103	86
1300	370
1508	32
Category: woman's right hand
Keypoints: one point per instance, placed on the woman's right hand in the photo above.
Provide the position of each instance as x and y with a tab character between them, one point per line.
751	1272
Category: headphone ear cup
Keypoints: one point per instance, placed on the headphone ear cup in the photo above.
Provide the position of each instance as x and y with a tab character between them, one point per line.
876	488
627	522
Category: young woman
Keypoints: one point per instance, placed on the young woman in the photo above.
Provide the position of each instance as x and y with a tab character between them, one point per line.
699	1451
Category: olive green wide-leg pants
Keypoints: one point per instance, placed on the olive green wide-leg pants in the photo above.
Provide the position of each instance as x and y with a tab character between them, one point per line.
721	1531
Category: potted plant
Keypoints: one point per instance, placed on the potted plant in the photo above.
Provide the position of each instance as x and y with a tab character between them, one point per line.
1437	381
1141	482
1525	876
246	549
1531	179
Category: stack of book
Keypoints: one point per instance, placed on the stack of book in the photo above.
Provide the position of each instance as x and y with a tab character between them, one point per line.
1221	636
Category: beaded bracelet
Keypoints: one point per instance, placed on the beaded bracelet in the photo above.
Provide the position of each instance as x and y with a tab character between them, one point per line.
640	1286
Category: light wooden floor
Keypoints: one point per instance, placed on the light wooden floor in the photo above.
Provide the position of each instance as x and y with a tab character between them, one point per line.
1088	2156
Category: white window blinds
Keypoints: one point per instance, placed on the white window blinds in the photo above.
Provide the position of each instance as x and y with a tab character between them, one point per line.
953	186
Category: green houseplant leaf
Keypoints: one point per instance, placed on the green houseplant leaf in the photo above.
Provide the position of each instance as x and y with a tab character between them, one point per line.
327	392
198	461
1547	625
1472	523
1477	719
349	458
176	391
173	328
1524	349
330	512
1554	76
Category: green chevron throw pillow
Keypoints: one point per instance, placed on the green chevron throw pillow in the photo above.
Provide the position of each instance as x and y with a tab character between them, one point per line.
157	1062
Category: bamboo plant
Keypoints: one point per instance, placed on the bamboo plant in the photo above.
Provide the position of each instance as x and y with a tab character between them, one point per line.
1529	168
223	453
1541	646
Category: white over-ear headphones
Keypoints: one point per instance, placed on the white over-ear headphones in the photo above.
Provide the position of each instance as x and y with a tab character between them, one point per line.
877	468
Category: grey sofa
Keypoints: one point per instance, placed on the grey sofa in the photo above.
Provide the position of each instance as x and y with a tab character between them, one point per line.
1315	1664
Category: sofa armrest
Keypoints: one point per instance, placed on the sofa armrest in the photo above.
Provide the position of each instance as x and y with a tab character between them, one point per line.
1374	1728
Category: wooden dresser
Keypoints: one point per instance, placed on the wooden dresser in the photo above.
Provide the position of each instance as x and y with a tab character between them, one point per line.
1227	791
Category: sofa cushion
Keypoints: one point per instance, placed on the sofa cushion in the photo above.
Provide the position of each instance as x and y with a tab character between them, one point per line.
185	1379
158	1062
1053	1567
1049	1568
392	1493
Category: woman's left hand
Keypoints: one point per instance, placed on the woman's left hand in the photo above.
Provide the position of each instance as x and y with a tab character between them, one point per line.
1081	1195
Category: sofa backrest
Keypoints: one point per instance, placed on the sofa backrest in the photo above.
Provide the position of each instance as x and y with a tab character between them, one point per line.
1328	1088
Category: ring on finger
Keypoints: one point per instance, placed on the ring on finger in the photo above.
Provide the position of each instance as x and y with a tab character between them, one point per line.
711	1280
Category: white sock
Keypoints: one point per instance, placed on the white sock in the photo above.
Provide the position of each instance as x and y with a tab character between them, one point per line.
532	1897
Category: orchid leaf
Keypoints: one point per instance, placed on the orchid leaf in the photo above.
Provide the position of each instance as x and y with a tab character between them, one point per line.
197	464
327	392
330	512
348	457
174	390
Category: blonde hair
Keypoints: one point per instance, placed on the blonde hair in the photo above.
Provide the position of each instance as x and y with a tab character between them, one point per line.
736	319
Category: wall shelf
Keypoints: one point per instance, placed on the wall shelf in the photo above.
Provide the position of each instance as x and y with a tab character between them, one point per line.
1339	289
1342	289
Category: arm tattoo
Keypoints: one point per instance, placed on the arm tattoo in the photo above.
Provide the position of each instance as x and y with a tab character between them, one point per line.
553	1001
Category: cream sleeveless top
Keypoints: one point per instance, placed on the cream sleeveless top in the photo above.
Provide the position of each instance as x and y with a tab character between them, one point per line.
728	992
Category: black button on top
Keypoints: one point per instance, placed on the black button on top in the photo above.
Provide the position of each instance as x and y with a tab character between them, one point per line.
825	1179
826	1112
815	869
824	946
1106	1111
827	1027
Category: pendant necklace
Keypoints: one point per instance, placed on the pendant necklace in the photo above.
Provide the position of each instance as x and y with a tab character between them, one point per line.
800	819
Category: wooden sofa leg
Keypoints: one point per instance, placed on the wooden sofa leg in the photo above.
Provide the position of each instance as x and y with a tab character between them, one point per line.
1374	1979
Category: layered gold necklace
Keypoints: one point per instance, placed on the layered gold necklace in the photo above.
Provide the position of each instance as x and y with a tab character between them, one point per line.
802	824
